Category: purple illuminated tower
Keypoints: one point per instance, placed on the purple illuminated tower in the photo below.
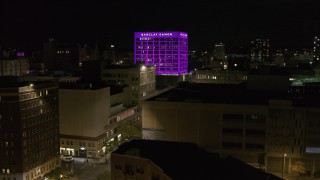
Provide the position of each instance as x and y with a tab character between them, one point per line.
168	51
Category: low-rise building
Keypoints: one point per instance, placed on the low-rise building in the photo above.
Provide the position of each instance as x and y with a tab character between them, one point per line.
89	117
165	160
255	126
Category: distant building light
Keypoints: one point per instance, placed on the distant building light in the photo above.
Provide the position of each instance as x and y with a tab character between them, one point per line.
143	68
82	148
225	66
20	54
112	46
31	84
313	150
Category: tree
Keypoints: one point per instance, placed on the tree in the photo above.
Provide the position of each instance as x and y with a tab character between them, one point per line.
298	168
54	174
111	145
129	131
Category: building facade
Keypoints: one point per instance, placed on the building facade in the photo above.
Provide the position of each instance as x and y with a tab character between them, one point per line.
60	58
17	67
261	131
89	118
219	76
141	80
260	50
168	51
29	129
218	60
316	49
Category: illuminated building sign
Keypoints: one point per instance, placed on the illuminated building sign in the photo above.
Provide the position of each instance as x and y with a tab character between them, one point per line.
168	51
160	34
20	54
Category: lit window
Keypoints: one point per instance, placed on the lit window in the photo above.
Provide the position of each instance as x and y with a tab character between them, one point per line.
314	150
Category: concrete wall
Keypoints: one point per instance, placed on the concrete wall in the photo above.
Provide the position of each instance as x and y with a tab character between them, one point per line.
84	112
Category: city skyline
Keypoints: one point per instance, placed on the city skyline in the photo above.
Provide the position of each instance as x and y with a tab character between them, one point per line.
287	24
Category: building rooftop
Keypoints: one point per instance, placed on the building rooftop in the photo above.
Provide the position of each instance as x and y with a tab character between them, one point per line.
15	82
181	160
219	93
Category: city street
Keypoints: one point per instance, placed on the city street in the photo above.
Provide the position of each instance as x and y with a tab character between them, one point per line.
84	169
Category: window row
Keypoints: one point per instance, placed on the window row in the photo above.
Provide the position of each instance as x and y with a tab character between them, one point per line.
81	143
32	95
6	144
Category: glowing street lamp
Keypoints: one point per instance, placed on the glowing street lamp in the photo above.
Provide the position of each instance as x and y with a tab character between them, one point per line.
283	164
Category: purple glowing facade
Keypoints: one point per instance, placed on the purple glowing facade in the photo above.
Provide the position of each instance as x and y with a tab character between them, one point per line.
168	51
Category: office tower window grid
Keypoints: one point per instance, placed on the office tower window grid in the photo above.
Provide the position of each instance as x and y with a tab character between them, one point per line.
260	50
168	51
316	48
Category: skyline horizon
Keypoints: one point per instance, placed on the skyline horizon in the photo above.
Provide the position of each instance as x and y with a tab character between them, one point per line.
287	24
91	42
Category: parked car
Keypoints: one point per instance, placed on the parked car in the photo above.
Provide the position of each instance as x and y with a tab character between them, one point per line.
67	158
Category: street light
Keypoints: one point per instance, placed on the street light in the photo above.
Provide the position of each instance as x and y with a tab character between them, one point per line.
283	164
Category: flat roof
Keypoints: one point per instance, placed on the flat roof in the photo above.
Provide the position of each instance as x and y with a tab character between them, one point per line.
183	160
15	82
219	93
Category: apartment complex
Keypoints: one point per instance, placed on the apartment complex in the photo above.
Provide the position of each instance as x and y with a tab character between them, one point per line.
29	128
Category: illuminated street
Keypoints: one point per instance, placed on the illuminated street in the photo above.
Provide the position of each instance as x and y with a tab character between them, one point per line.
84	169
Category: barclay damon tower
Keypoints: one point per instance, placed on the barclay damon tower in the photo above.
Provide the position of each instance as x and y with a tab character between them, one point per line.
168	51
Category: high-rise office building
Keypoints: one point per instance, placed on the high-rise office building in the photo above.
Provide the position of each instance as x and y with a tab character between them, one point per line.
316	48
219	51
61	57
168	51
219	61
260	50
29	129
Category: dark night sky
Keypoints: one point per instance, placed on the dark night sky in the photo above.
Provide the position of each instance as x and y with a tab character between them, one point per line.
287	23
